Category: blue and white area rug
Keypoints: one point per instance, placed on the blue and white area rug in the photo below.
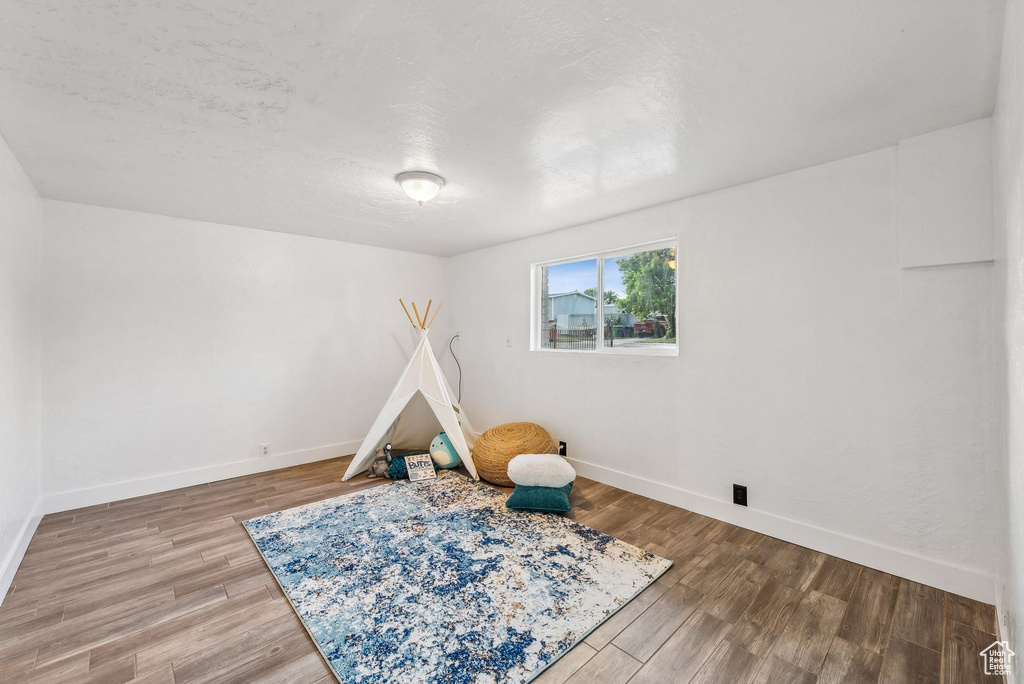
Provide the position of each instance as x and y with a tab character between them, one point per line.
437	581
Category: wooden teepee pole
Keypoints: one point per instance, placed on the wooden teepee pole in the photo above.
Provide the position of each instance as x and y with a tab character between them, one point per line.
416	311
406	311
426	313
436	311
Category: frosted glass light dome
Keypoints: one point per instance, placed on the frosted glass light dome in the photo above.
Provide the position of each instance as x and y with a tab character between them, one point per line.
421	186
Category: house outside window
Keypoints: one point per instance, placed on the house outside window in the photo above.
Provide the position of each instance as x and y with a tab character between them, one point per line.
635	314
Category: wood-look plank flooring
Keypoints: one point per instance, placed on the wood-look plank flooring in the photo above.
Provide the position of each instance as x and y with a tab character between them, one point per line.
168	588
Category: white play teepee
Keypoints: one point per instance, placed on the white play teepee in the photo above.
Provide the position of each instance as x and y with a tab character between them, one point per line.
406	419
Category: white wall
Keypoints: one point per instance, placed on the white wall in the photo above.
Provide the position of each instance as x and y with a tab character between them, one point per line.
1008	146
20	222
173	348
945	194
853	398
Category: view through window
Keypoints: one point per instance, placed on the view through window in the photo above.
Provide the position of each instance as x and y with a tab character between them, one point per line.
635	311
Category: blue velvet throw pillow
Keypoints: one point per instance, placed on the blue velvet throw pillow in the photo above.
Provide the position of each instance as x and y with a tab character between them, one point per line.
540	499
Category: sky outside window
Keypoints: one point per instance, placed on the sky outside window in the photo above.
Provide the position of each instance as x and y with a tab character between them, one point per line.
581	275
612	277
574	277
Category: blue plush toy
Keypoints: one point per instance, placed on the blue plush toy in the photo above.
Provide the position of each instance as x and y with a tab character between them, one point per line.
443	453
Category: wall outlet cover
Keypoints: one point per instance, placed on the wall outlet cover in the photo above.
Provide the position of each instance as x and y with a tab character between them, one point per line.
563	449
739	494
264	450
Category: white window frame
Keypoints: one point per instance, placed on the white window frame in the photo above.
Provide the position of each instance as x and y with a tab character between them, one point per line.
537	330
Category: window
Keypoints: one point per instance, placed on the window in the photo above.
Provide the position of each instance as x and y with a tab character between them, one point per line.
636	312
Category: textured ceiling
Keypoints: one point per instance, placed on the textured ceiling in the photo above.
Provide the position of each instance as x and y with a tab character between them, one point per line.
295	116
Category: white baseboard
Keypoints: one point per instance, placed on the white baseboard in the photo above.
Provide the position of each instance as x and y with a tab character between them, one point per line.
1004	630
17	552
1000	602
963	581
79	498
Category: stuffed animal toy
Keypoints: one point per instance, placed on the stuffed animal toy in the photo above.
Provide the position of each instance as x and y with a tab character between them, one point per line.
379	466
443	453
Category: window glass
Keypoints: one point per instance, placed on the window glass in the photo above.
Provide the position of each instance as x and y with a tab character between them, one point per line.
640	300
568	306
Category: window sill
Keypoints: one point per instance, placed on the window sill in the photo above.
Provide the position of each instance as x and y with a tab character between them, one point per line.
621	351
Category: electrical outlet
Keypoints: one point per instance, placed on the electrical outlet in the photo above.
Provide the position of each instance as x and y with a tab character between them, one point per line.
508	341
563	449
264	450
739	494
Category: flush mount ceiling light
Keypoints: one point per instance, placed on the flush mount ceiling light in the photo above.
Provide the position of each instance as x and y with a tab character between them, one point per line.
421	186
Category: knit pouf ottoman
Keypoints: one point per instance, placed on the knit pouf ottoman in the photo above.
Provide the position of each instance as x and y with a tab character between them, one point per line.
499	445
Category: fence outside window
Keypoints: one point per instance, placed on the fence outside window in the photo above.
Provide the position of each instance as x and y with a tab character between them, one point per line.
585	337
